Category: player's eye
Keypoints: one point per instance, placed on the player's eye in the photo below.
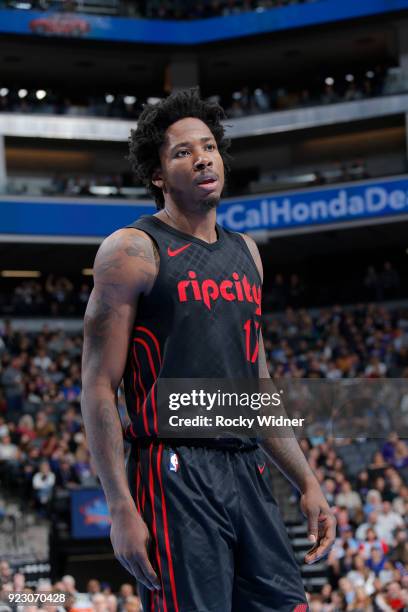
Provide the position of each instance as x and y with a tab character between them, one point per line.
182	153
210	146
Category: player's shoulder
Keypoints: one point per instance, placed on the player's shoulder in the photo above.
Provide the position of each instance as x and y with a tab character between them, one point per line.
125	253
125	242
124	237
250	241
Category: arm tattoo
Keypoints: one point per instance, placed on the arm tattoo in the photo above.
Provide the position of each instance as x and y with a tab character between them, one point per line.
102	425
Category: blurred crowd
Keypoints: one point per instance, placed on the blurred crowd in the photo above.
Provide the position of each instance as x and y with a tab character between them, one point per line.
337	342
54	296
61	296
44	453
368	565
154	9
311	90
377	284
98	597
347	87
124	185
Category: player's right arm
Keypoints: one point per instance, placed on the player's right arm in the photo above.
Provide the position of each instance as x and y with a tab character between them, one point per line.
125	267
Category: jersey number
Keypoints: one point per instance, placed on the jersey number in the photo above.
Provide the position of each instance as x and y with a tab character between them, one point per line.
251	329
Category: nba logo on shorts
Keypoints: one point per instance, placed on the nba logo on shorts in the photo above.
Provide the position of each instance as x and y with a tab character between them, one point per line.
174	463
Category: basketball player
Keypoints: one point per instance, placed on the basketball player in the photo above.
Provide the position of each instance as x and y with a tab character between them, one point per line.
193	520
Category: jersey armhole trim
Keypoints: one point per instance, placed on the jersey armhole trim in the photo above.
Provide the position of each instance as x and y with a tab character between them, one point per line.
249	254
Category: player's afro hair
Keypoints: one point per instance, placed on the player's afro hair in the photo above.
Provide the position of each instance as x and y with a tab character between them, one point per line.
145	141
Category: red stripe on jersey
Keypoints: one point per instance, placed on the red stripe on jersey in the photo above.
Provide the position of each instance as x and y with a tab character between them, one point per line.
154	374
135	390
149	355
154	523
256	351
166	531
146	425
153	337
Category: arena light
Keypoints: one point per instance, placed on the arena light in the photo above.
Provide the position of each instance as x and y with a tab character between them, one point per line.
329	81
109	98
4	92
22	93
370	74
349	78
20	273
87	272
40	94
129	99
153	101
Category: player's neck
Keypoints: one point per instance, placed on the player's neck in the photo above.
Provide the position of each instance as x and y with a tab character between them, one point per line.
200	225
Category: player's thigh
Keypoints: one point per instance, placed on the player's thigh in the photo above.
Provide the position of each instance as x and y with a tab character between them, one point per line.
267	576
191	538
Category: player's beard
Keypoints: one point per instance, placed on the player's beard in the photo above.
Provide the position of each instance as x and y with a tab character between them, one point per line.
212	201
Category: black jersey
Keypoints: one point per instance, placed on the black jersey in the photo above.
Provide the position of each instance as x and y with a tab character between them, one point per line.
200	320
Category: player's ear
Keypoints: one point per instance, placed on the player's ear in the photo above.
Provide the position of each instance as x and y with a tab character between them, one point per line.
157	178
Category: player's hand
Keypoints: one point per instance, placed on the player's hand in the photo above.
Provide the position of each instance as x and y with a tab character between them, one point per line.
130	538
321	522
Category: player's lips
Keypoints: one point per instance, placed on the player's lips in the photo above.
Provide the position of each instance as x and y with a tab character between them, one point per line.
207	181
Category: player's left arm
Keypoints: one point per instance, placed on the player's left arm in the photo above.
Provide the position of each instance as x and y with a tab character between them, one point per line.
287	455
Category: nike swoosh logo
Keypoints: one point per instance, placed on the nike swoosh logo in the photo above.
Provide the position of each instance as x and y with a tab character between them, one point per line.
171	253
261	468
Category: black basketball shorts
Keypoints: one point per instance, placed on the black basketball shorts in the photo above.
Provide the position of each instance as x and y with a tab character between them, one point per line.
218	542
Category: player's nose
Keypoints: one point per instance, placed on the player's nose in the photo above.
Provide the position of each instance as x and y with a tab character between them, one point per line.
202	162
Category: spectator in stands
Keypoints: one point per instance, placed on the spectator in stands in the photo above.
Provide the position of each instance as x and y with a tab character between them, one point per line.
83	296
390	446
401	455
376	560
370	523
42	360
348	498
9	452
12	381
43	427
373	502
393	598
377	467
362	484
43	484
66	478
352	93
388	521
329	96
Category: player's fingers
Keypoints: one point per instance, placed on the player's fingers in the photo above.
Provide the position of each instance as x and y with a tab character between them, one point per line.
149	576
312	524
326	536
149	573
322	547
319	551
